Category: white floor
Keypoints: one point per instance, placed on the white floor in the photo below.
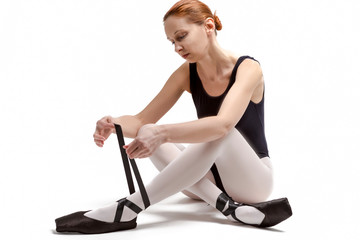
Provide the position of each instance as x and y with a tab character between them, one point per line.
180	218
49	186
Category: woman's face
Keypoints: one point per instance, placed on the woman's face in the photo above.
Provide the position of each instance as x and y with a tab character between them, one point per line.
190	40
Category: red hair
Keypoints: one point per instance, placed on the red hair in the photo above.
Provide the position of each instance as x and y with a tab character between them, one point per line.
196	11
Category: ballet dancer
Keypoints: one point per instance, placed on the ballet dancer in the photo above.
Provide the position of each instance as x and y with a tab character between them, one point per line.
226	163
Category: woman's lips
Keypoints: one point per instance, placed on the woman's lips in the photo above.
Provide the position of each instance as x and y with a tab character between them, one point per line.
185	55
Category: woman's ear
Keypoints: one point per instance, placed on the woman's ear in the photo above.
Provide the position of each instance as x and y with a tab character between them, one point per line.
209	25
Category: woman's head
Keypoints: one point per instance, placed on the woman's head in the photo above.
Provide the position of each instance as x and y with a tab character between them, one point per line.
195	11
190	25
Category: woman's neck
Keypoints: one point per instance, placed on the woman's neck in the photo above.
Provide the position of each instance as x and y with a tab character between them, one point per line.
216	63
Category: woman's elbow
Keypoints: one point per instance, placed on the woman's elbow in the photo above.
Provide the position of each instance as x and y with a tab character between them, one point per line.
225	127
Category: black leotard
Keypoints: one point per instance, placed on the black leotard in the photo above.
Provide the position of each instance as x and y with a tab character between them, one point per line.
251	124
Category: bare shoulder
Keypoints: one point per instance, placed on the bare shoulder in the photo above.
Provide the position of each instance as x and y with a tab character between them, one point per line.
250	69
247	65
181	76
250	76
183	69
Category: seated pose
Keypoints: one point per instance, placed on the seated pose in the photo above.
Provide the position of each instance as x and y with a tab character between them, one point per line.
226	163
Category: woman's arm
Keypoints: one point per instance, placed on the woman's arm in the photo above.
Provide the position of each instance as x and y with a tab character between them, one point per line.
161	104
248	77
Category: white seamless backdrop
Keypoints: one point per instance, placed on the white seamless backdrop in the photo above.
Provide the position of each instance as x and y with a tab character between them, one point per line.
65	64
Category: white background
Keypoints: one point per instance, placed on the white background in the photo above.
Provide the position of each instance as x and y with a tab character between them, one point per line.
65	64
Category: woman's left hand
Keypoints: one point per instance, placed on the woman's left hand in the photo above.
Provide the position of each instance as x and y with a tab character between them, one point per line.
146	142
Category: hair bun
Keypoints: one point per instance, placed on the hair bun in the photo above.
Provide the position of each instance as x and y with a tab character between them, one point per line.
217	21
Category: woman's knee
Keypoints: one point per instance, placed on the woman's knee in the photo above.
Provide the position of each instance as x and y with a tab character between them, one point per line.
194	188
164	154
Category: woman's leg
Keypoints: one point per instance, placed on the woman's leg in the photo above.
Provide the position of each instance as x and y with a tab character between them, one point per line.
206	187
188	169
248	180
246	177
166	153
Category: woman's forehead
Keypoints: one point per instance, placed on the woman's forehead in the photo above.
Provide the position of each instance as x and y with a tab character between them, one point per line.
174	24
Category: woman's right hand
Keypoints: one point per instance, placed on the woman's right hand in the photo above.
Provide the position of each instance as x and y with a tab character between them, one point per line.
104	127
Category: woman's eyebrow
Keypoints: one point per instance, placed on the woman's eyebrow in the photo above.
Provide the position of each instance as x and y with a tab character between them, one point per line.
174	33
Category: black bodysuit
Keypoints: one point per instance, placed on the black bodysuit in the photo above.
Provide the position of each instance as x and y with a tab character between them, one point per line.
251	124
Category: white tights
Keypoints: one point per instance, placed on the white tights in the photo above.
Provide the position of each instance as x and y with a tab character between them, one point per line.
246	177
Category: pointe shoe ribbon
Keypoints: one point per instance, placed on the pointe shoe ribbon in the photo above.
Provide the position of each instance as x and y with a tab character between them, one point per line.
77	222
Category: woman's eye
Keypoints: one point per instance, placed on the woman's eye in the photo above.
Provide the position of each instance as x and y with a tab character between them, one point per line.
181	37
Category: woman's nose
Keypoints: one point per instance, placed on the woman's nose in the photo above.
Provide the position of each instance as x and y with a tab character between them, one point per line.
178	48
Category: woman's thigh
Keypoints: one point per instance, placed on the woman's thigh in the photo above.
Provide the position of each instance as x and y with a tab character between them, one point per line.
246	177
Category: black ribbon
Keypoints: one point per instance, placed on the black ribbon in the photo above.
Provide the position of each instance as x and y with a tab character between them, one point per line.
126	160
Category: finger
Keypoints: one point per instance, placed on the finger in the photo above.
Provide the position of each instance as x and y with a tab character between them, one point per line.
143	154
99	143
138	153
98	137
132	147
134	154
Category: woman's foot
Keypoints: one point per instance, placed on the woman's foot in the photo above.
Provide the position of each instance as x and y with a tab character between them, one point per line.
114	217
247	215
107	214
265	214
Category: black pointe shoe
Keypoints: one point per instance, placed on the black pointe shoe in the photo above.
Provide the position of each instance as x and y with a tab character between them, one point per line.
77	222
275	211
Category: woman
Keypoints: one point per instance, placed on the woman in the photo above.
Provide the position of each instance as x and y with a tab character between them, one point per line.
228	137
